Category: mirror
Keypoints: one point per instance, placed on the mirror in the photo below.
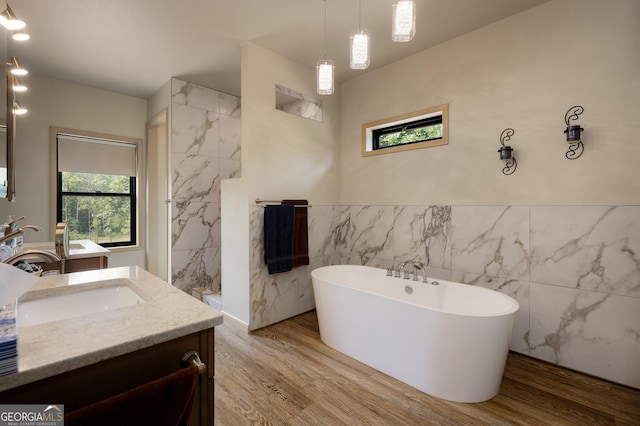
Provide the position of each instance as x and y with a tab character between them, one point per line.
294	102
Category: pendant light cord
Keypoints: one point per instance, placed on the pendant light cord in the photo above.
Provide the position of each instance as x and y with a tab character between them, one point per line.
325	29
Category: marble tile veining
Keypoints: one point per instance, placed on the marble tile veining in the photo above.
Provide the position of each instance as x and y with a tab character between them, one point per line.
371	232
195	224
423	233
592	332
195	178
230	105
196	268
491	240
205	145
589	247
195	131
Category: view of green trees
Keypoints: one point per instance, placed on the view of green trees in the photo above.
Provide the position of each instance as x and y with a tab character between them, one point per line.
103	215
420	134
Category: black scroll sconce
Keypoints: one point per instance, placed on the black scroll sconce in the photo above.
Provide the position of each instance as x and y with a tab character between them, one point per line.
506	152
574	139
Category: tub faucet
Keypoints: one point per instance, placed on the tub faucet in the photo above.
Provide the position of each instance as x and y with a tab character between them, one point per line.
417	265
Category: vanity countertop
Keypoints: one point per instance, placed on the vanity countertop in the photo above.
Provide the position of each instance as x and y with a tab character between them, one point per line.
52	348
78	249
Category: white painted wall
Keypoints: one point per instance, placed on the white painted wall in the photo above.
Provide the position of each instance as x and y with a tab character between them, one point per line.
235	249
53	102
523	72
283	155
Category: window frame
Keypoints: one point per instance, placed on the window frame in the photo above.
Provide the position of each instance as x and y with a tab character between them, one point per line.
135	193
439	113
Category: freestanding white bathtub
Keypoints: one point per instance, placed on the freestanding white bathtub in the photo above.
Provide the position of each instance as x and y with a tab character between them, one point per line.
449	340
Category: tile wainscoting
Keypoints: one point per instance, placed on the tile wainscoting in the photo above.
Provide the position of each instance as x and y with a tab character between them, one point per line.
575	270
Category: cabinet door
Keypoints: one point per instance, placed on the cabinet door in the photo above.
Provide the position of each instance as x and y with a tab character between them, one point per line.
78	265
93	383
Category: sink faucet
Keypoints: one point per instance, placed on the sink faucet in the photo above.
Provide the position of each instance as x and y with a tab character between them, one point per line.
18	231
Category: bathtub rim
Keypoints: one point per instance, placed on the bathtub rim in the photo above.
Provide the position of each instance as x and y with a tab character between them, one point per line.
512	310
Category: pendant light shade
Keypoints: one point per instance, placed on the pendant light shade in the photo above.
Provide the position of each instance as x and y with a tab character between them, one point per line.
360	43
359	50
404	21
325	77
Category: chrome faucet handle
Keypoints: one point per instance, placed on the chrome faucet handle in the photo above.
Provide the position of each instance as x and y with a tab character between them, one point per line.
396	272
390	271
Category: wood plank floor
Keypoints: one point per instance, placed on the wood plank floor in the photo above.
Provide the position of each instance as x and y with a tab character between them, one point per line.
285	375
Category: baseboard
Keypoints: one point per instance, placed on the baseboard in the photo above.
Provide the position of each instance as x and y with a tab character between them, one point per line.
233	322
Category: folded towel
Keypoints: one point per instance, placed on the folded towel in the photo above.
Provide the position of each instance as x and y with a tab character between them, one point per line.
163	402
300	232
278	238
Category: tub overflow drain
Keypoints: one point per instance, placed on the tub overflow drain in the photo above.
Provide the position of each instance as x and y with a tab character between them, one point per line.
408	289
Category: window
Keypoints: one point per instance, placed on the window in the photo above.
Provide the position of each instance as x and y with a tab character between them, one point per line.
96	187
421	129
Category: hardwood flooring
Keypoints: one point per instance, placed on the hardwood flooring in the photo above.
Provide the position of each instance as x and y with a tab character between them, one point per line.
285	375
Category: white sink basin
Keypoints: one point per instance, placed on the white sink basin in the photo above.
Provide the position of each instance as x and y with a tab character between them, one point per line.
76	304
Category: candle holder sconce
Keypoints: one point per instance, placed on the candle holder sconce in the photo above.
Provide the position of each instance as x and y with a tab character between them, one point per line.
506	152
574	139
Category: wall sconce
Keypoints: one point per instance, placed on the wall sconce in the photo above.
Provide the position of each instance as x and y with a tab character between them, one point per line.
15	67
9	21
506	152
576	148
18	110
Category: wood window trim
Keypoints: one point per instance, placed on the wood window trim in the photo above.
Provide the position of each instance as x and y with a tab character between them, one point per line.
367	128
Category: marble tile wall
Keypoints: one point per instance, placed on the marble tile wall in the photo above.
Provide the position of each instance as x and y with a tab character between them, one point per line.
574	270
205	148
277	297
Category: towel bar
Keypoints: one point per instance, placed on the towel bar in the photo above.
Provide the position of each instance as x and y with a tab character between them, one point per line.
259	201
193	358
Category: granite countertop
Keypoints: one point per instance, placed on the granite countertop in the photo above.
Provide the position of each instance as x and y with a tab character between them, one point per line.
78	249
48	349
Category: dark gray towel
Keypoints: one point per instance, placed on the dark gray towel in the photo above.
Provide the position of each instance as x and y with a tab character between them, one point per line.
278	237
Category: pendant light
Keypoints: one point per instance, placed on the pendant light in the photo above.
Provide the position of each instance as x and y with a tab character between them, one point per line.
404	21
360	46
325	78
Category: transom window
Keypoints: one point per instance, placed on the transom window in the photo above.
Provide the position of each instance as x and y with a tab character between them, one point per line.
420	129
96	190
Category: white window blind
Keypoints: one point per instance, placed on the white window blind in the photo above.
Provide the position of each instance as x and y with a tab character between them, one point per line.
99	156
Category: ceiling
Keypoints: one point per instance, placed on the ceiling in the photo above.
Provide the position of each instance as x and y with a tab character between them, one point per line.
135	46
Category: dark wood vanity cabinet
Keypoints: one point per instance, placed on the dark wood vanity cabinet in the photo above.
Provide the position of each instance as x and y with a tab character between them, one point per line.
93	383
78	265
